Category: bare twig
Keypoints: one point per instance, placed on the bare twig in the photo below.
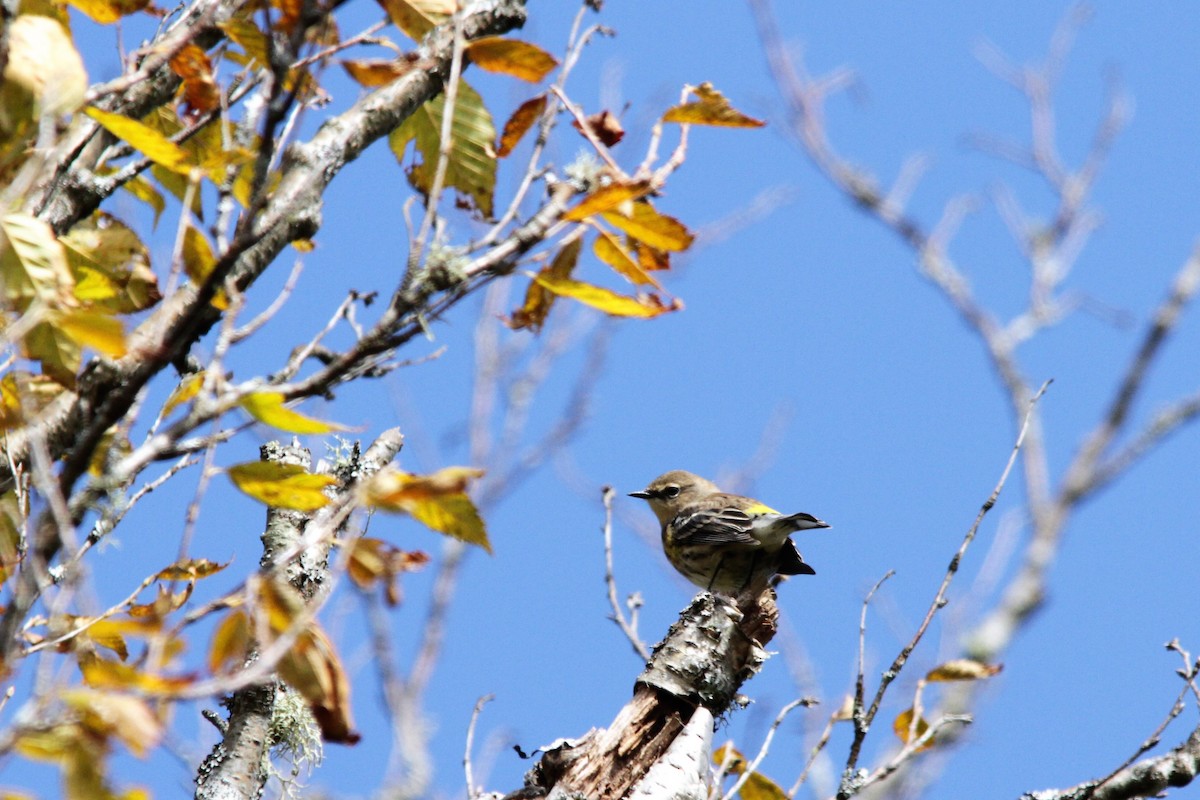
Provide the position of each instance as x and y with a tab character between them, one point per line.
627	626
472	791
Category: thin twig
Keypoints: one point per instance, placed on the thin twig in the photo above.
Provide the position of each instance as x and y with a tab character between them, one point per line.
618	616
479	704
861	726
752	767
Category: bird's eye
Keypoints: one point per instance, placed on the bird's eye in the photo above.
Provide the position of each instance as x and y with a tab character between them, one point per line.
671	491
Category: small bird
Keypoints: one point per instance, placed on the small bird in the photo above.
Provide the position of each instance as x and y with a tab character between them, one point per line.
722	542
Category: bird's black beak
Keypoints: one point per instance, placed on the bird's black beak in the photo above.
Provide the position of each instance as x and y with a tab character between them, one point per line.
642	494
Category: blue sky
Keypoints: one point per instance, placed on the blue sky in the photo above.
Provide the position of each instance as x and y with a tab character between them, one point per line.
894	429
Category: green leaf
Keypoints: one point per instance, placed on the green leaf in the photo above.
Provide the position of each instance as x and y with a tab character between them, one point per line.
33	264
471	167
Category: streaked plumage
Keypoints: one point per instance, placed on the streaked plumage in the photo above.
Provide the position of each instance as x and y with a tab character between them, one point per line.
724	542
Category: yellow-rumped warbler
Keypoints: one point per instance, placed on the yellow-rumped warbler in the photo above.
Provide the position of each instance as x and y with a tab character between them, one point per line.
724	542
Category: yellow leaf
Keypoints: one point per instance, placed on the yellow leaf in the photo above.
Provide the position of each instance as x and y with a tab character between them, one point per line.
44	74
607	198
144	139
519	124
647	225
249	37
53	744
188	388
110	265
728	757
128	718
904	730
454	515
24	395
609	250
199	262
963	669
107	12
13	515
230	644
100	673
538	300
611	303
438	500
268	408
143	190
114	445
58	353
710	108
511	57
760	787
417	17
94	329
282	485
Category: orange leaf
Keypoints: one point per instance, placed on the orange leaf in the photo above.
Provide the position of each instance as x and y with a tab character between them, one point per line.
710	108
375	71
200	90
190	569
511	57
230	644
519	124
607	198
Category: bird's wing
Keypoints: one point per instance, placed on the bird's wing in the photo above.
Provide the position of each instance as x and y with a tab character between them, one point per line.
714	526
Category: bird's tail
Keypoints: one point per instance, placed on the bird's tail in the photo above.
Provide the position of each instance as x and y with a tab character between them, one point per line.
791	562
803	522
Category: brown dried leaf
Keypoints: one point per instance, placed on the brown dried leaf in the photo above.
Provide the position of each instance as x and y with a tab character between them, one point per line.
604	126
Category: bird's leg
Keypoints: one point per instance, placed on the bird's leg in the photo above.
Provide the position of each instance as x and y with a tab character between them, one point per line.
716	572
751	571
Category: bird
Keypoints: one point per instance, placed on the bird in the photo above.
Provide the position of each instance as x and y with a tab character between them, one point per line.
724	543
